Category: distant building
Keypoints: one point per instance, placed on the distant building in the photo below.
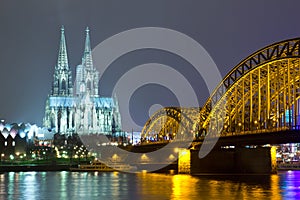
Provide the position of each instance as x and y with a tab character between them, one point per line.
17	139
78	108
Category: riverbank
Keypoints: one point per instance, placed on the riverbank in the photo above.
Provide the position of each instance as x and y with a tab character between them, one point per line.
173	169
26	168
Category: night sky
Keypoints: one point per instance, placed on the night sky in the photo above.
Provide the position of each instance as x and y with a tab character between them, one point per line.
229	30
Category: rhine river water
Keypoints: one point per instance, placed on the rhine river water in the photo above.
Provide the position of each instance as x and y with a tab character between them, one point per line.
114	185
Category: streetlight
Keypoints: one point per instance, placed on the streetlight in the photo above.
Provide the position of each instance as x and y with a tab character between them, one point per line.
2	157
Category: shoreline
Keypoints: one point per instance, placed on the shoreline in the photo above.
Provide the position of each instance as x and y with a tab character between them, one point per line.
74	167
38	168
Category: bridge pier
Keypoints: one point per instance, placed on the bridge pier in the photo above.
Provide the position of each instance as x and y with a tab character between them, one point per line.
260	160
184	161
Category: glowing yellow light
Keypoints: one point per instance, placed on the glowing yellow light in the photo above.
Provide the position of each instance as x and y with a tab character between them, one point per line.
115	156
116	173
176	150
171	157
273	159
144	157
184	161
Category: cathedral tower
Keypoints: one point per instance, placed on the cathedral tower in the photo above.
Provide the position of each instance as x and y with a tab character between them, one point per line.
62	84
59	112
87	77
84	111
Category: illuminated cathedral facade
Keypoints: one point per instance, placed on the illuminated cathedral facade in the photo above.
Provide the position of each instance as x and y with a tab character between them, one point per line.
76	107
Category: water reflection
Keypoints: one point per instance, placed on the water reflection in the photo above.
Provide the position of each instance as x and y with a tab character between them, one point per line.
75	185
290	184
184	187
27	187
210	186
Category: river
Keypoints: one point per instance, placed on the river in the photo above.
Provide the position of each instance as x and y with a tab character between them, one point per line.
114	185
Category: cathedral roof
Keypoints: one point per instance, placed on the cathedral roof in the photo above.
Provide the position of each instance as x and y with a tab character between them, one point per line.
99	102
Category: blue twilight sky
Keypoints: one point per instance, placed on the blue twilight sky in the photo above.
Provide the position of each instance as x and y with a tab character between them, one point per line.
229	30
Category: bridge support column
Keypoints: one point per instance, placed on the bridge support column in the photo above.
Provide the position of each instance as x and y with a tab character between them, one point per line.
184	161
260	160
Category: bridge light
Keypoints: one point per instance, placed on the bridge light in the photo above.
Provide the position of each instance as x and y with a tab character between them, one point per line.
144	157
171	157
255	122
240	124
115	157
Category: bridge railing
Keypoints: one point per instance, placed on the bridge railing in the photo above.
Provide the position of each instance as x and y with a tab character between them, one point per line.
258	131
230	134
261	131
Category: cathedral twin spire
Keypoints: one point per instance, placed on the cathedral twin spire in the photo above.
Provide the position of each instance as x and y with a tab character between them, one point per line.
82	110
62	61
87	60
87	47
63	84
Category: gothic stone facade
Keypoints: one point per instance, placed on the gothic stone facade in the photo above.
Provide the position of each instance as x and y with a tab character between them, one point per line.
77	107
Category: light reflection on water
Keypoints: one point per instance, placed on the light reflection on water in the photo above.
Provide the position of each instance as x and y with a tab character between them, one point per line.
76	185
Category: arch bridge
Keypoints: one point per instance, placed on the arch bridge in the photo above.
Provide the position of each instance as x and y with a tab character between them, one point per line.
259	95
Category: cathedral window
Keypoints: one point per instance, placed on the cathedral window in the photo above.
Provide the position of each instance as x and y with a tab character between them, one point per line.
89	85
82	88
63	84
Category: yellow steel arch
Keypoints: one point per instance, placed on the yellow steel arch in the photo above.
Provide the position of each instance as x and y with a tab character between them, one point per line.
259	94
168	121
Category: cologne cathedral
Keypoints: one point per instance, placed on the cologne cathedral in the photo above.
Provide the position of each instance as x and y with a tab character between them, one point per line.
76	107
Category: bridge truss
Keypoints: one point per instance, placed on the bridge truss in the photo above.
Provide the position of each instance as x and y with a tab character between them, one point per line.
260	94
